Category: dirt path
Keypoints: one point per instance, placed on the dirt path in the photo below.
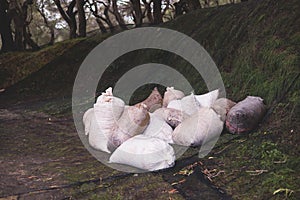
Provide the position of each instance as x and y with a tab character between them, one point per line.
42	157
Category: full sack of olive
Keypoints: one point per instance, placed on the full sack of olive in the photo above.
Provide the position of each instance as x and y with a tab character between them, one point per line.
140	135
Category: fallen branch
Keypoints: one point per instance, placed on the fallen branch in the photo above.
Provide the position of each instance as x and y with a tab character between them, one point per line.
257	172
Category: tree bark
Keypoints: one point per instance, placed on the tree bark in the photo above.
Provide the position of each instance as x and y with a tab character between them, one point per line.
148	11
51	28
138	17
5	29
81	18
28	40
118	16
157	16
19	22
19	16
69	16
108	21
101	25
99	18
72	17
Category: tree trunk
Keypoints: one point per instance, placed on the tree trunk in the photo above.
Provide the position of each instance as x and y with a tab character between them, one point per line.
28	40
118	16
5	29
157	16
136	5
101	25
18	21
108	21
72	16
99	18
69	16
148	11
19	34
51	28
81	18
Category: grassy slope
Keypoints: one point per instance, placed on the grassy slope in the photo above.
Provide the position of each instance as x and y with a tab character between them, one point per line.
15	66
256	47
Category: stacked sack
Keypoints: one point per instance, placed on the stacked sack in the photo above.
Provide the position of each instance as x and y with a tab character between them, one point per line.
140	135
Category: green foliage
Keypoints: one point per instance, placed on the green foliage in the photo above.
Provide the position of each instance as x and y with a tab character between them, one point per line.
270	155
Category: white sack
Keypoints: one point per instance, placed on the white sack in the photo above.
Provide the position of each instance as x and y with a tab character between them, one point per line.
97	139
198	129
187	104
172	116
145	153
171	94
133	121
206	100
159	128
108	110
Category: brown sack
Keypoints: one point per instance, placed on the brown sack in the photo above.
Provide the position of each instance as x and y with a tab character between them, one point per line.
222	106
172	116
245	115
153	101
133	121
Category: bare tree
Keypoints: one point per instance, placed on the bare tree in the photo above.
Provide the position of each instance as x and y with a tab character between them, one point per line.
41	9
137	12
69	16
5	28
81	18
157	15
19	13
148	10
94	7
118	16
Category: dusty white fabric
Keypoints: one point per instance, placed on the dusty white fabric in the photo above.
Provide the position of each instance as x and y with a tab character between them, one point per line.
187	104
100	119
159	128
172	116
207	100
145	153
171	94
133	121
198	129
97	139
108	110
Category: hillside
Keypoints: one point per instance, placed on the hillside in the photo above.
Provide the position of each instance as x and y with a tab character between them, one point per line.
256	47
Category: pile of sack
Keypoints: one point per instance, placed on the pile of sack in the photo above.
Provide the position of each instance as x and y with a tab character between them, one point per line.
140	135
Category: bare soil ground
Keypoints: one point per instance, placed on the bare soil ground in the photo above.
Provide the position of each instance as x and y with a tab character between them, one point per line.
42	157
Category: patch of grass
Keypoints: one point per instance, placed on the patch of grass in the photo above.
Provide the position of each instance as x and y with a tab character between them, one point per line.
15	66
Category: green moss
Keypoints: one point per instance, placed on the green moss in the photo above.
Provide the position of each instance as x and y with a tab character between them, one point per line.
15	66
